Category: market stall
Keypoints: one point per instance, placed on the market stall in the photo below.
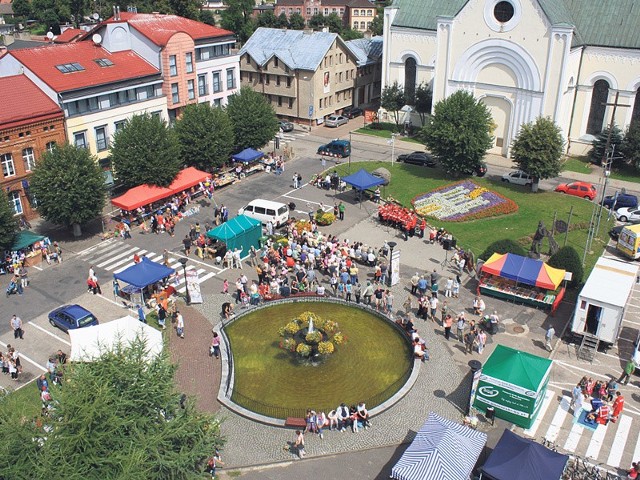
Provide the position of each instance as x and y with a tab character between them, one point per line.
141	195
188	178
240	232
249	157
31	245
522	280
442	449
362	180
514	384
142	280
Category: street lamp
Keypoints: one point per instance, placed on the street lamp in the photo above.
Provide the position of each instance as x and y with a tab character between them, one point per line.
392	245
184	261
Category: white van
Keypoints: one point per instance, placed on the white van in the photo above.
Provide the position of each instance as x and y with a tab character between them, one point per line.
265	211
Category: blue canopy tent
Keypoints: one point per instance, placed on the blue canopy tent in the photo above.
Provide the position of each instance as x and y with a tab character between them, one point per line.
442	449
143	274
362	180
240	232
248	155
517	458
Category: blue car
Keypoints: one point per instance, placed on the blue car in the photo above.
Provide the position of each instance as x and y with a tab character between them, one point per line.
69	317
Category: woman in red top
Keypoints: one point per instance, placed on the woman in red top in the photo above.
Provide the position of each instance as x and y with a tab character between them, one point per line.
618	405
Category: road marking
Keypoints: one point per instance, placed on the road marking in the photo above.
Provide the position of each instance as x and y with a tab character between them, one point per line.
619	441
207	277
596	442
558	419
24	357
49	333
106	252
636	451
94	247
548	398
127	252
574	437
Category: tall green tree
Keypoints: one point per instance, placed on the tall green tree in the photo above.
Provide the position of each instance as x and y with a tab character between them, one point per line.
69	186
296	21
537	150
145	151
117	417
22	8
78	9
266	19
206	136
237	18
458	133
186	8
423	101
630	147
392	100
8	222
282	21
597	153
350	34
254	120
206	16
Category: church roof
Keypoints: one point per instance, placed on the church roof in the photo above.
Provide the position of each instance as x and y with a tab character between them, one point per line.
596	22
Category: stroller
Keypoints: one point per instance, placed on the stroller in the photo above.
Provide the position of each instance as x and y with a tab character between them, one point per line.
12	288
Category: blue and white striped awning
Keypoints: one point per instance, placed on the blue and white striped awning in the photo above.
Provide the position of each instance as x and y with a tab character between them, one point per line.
442	449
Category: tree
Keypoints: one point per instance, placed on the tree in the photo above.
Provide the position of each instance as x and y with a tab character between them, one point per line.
568	259
206	16
377	25
423	101
282	21
21	8
206	136
254	120
537	150
392	100
458	133
630	147
78	9
266	19
186	8
296	21
69	186
351	34
118	417
145	151
600	143
8	223
237	18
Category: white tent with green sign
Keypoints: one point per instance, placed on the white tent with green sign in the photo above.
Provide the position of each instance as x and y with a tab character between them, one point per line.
514	384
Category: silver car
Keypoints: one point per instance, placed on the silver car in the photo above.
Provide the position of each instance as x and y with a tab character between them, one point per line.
335	120
518	177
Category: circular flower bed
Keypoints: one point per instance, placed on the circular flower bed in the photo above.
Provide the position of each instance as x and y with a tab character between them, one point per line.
462	201
309	336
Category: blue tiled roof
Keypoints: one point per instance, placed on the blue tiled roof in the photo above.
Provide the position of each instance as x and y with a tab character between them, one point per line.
366	50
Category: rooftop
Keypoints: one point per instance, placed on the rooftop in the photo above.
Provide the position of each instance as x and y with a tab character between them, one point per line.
69	35
22	102
366	50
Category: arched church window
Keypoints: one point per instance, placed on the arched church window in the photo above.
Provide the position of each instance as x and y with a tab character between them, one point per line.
599	97
635	115
410	78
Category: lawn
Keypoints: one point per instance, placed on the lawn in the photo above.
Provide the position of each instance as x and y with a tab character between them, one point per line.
408	181
25	402
626	173
385	134
577	164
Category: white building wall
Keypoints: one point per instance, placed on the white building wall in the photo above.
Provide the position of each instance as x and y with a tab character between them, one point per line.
220	64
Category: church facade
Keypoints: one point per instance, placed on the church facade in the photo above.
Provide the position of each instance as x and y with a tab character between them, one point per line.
564	59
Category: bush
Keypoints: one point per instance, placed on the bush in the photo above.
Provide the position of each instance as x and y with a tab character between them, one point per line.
326	218
568	259
389	126
503	246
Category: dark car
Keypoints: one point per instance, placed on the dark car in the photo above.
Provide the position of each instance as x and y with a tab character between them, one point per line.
418	158
481	170
70	317
286	126
623	200
352	112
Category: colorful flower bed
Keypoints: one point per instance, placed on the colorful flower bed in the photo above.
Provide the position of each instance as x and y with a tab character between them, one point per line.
463	201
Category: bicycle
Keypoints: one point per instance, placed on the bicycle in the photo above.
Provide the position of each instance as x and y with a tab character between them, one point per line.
549	444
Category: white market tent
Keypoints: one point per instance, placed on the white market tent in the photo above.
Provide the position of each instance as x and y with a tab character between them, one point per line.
87	344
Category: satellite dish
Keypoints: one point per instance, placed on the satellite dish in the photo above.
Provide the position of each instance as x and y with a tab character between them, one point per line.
95	16
97	38
50	35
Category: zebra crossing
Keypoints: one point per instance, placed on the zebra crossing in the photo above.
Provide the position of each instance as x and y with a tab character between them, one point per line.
614	445
291	136
115	256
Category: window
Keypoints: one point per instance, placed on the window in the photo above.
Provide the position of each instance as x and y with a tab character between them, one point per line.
217	102
189	62
191	89
356	13
362	13
599	97
635	114
14	199
80	139
70	67
368	25
290	102
369	13
288	82
278	80
266	78
29	159
202	86
50	146
103	62
101	138
320	103
326	12
279	101
8	169
217	86
308	11
173	66
231	79
119	125
175	93
410	79
275	62
341	12
363	25
355	25
503	11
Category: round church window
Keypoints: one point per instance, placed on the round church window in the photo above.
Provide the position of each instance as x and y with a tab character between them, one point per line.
503	11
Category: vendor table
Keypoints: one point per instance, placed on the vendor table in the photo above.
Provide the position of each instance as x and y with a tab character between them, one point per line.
519	293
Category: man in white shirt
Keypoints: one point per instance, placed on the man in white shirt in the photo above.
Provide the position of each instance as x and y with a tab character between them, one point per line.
179	324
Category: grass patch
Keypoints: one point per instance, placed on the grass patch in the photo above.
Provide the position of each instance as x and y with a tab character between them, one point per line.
407	181
385	134
577	164
627	173
26	401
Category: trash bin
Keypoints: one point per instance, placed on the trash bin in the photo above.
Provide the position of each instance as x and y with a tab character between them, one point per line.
491	414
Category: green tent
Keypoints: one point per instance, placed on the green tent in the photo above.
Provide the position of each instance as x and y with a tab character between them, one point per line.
240	232
514	384
25	239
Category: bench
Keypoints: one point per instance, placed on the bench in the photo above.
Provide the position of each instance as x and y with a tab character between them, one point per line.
295	422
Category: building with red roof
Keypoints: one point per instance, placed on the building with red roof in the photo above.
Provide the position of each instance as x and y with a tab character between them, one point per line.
30	124
199	62
69	35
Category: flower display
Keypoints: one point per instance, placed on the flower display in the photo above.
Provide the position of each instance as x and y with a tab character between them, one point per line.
309	336
462	201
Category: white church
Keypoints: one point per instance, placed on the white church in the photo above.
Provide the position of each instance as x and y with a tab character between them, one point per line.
563	59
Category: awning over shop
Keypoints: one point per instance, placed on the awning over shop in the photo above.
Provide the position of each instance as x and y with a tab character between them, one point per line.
524	270
141	195
248	155
187	178
25	239
144	273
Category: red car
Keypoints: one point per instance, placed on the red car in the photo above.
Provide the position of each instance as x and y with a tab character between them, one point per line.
578	189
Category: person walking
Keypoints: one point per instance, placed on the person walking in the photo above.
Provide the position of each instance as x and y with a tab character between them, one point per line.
179	324
214	350
481	340
295	180
16	325
448	321
187	245
576	400
460	327
341	209
628	371
165	257
548	337
618	405
469	339
444	310
299	444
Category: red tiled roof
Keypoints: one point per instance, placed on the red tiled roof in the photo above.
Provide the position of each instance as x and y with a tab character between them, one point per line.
22	102
43	60
160	28
69	35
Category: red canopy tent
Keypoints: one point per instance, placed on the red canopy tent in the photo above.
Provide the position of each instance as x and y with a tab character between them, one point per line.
187	178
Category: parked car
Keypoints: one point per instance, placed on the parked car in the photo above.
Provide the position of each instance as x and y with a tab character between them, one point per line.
335	148
481	170
418	158
578	189
517	177
622	200
352	112
628	214
335	120
286	126
614	233
70	317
